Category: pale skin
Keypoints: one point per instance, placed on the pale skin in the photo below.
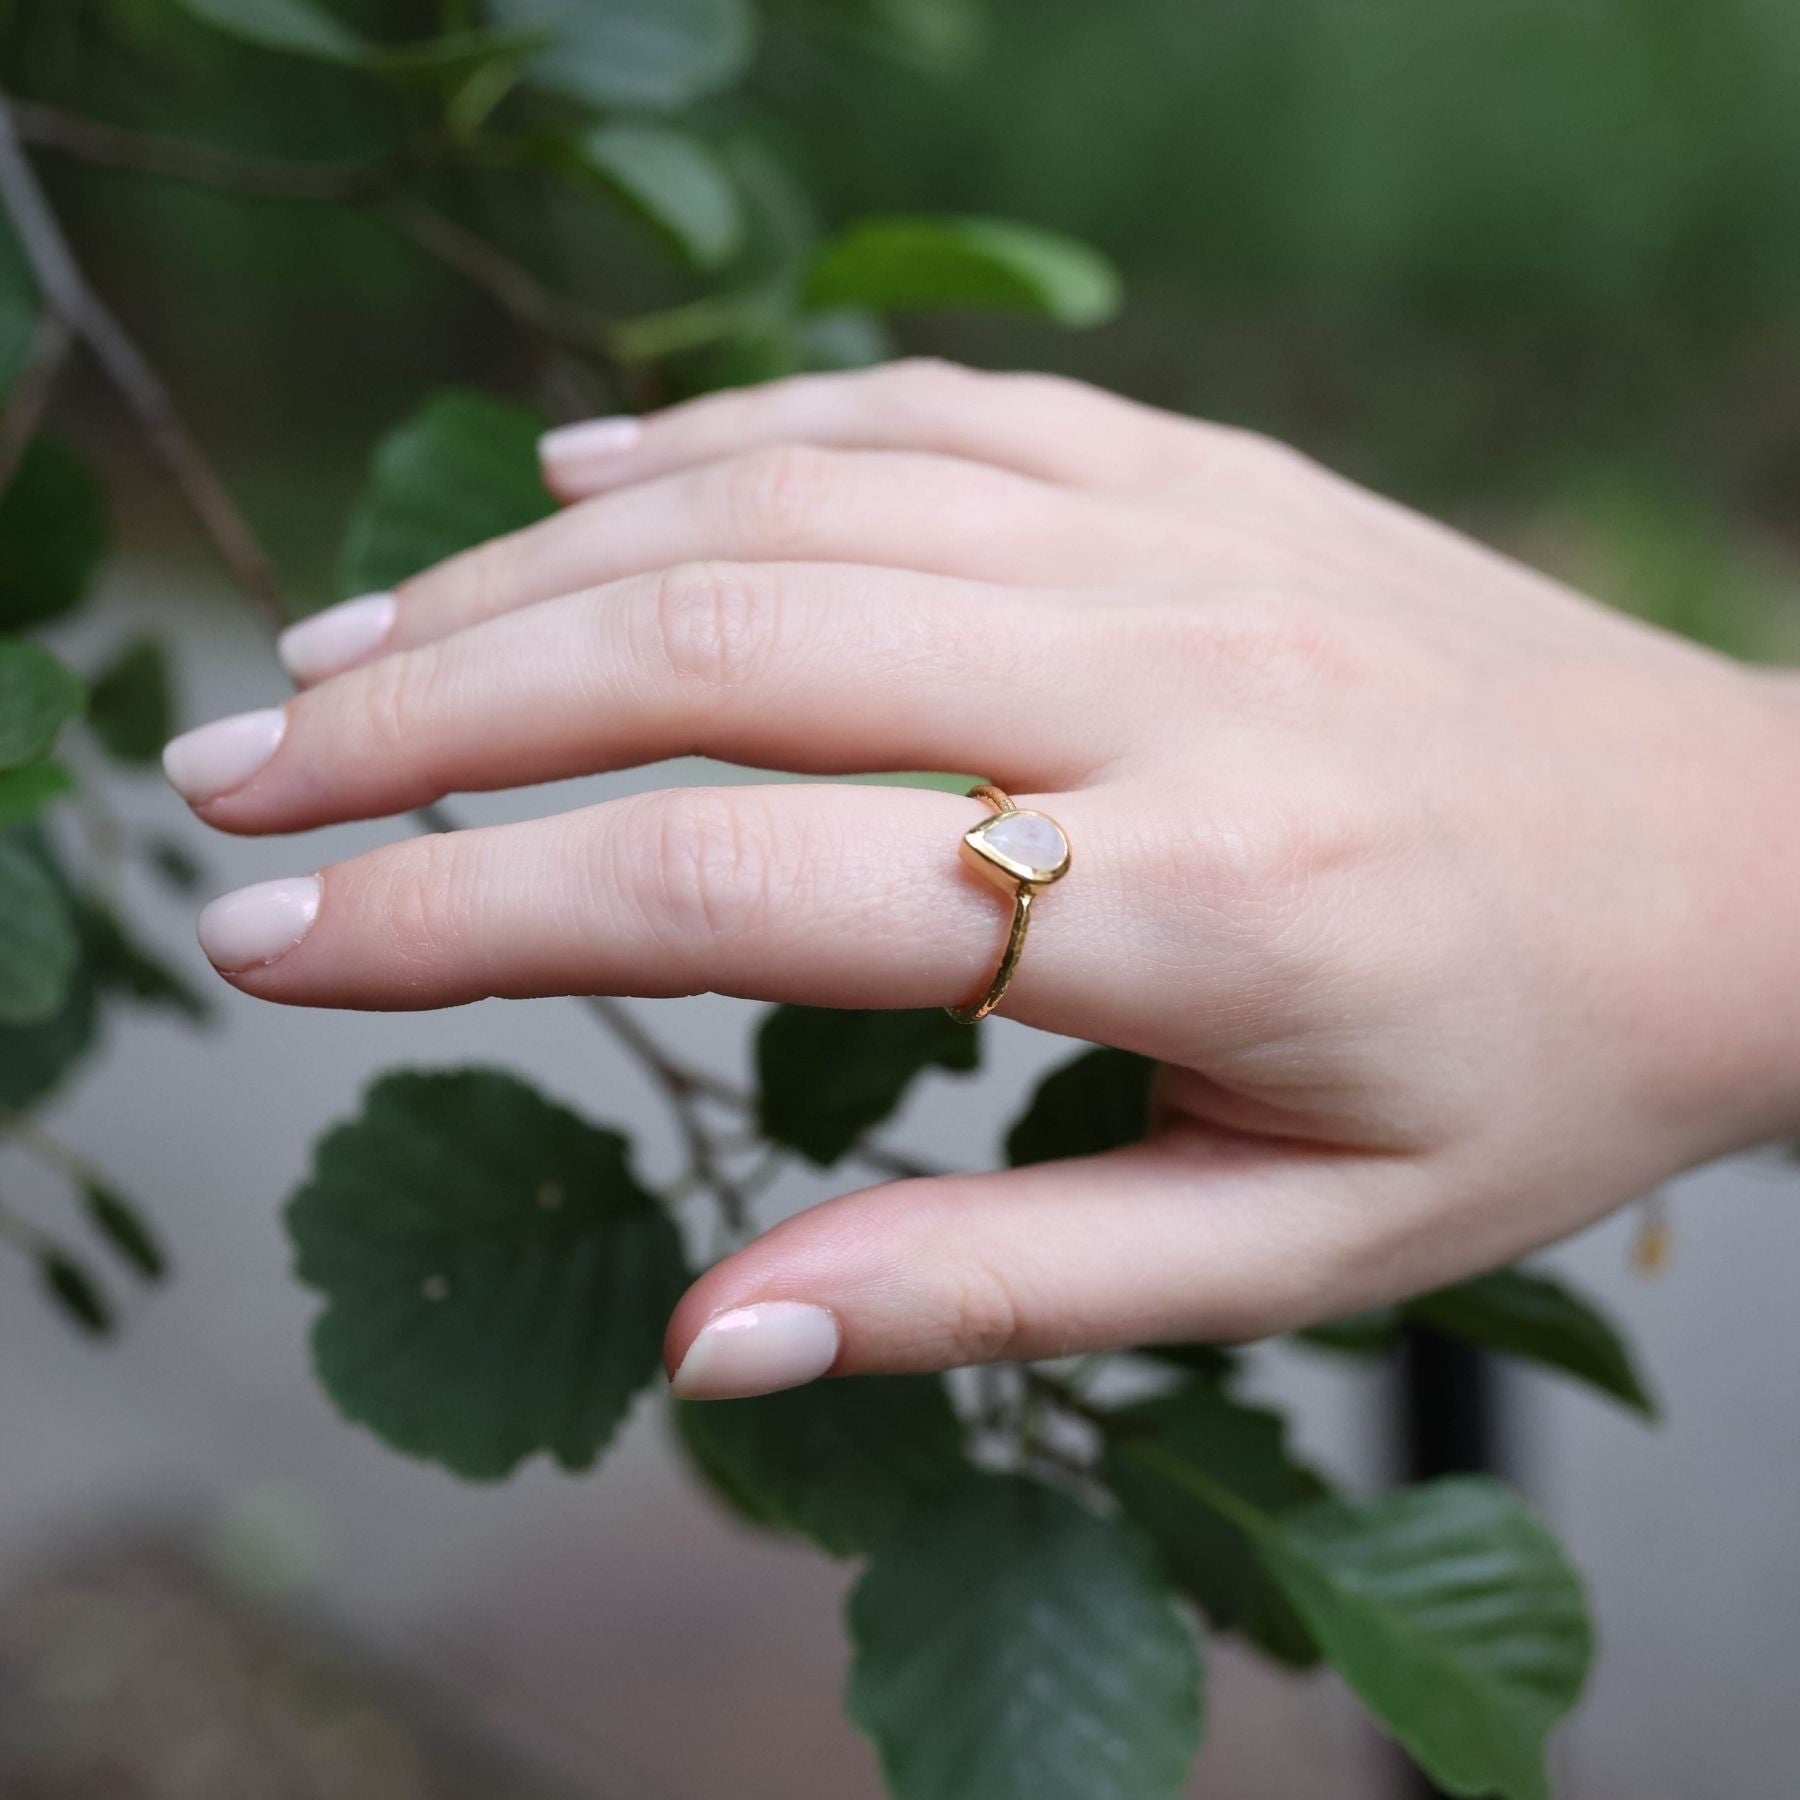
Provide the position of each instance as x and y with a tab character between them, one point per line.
1457	909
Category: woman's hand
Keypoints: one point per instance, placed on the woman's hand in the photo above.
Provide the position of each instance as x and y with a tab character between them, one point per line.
1456	909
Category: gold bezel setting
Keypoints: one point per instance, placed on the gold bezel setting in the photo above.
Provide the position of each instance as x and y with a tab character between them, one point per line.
1007	870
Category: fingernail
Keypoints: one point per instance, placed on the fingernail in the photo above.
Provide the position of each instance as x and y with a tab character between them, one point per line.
203	764
257	924
592	440
336	638
757	1350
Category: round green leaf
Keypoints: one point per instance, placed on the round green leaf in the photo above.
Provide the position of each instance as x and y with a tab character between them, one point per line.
1516	1312
824	1076
39	949
496	1280
1244	1449
131	705
26	792
654	53
962	264
1100	1101
1453	1614
295	26
52	535
674	180
1009	1645
36	1059
841	1462
462	470
38	697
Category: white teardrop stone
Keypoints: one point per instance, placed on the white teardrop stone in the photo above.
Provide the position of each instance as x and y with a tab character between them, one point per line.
1028	839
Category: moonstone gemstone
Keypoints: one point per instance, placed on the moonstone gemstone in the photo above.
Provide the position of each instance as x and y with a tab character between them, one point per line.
1026	839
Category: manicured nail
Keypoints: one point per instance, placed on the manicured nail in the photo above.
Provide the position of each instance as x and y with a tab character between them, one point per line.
594	440
257	924
336	638
212	761
757	1350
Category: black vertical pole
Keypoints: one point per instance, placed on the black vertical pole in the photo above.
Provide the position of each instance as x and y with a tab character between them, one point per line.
1449	1425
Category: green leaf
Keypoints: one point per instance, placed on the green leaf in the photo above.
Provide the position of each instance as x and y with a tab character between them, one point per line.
131	705
120	966
1216	1362
1371	1333
1098	1102
19	307
36	1059
1244	1449
126	1229
1516	1312
24	793
842	1462
649	53
174	864
38	946
295	26
496	1281
53	535
824	1077
74	1291
1453	1614
962	264
462	470
1009	1645
38	697
931	34
675	181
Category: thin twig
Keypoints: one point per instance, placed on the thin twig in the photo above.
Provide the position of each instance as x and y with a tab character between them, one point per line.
66	293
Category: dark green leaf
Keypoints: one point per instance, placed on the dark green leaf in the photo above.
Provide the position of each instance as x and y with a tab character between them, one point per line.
1100	1101
944	265
496	1280
1453	1614
674	180
1515	1312
1370	1333
24	793
122	967
296	26
841	1462
654	53
1244	1449
73	1289
35	1059
18	307
462	470
38	946
130	703
126	1229
825	1077
1009	1645
932	34
176	865
1217	1362
52	535
38	697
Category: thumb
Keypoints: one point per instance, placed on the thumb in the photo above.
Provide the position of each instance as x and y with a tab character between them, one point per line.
1186	1236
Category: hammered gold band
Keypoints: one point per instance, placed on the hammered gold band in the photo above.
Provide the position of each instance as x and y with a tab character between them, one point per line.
1019	851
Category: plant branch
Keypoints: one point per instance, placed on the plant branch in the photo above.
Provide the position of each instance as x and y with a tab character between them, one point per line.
71	300
32	392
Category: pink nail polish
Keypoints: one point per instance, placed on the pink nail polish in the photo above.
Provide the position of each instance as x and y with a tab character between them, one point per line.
571	447
337	638
203	764
758	1350
255	925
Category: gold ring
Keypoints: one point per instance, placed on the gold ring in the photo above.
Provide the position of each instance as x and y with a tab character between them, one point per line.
1019	851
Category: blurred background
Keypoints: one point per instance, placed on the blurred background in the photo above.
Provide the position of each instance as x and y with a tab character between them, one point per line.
1532	265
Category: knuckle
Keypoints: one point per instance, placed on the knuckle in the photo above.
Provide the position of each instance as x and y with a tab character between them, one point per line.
708	866
1259	646
1261	461
712	624
402	701
778	495
983	1315
419	896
